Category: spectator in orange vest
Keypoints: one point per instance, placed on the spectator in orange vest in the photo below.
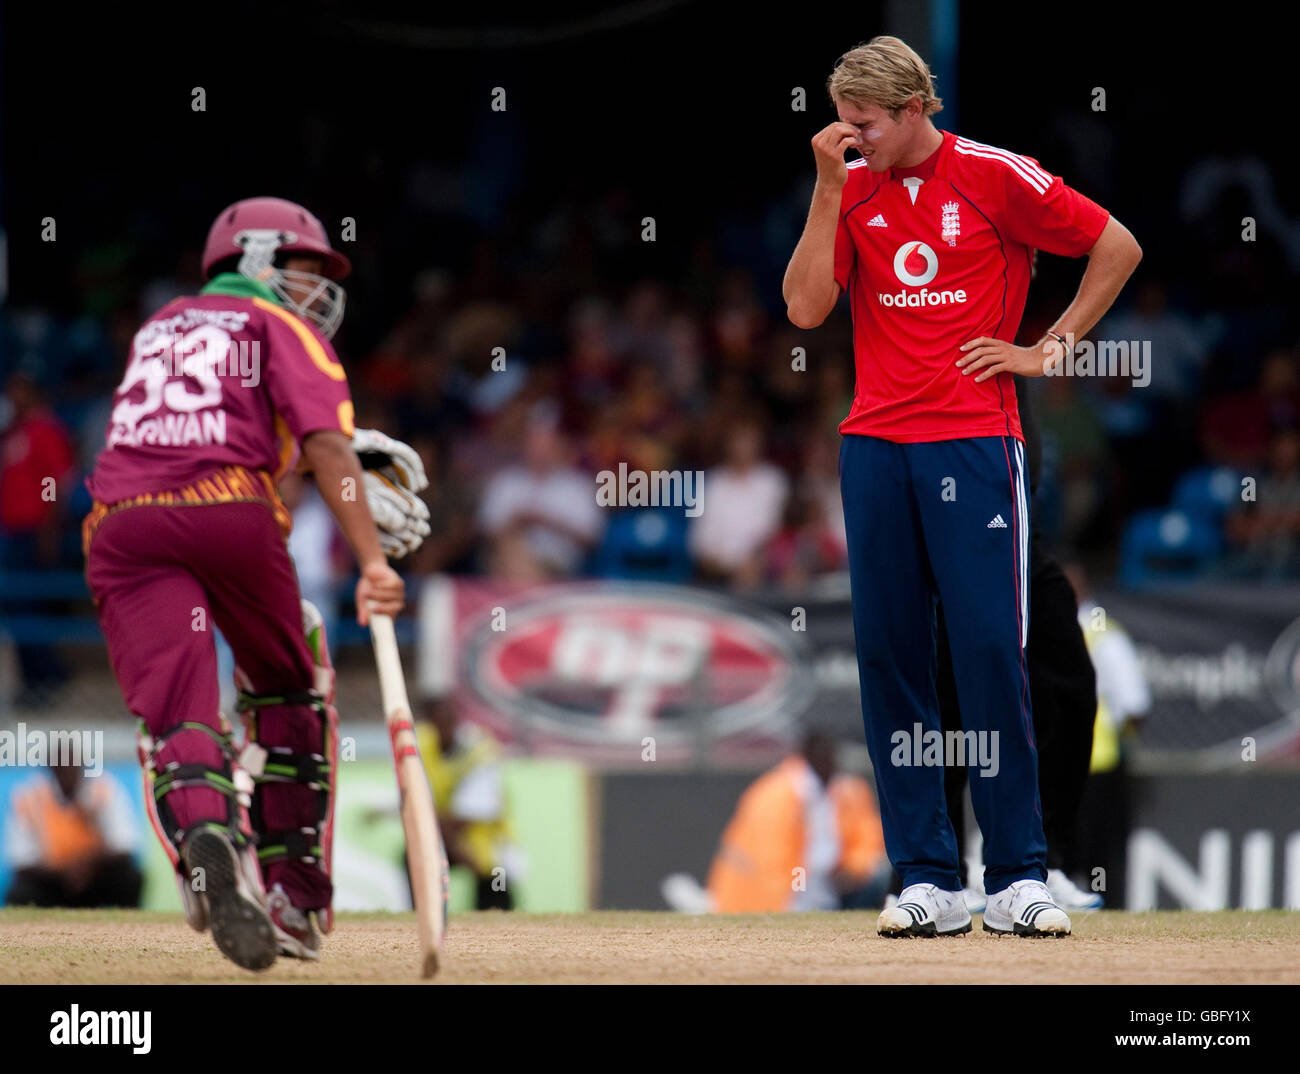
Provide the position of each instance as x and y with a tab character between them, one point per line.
802	838
70	840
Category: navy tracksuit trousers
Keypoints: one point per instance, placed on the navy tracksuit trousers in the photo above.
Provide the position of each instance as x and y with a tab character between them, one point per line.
945	521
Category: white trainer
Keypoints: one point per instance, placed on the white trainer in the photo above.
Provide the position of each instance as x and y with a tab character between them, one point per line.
925	910
1068	894
683	893
1026	908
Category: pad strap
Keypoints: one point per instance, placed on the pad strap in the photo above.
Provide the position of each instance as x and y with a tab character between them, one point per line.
291	844
280	764
174	775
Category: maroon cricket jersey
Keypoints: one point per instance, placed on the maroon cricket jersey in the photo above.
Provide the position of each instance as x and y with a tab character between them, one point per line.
228	380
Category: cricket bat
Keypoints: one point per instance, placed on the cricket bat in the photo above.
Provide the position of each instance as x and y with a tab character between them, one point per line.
424	850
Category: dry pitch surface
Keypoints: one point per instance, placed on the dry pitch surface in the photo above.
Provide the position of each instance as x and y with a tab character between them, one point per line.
117	947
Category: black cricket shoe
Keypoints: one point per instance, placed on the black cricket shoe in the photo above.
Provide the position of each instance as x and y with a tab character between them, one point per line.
236	908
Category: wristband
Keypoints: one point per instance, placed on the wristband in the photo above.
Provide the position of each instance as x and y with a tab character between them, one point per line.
1066	350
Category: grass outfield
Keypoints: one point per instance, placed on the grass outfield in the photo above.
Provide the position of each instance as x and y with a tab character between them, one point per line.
125	947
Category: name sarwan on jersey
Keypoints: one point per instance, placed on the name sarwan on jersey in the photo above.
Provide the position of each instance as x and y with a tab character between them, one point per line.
180	362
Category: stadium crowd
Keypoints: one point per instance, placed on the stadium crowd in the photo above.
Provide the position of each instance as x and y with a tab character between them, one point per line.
542	347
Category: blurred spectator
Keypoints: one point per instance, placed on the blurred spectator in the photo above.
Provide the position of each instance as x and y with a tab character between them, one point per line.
1073	436
70	841
592	364
314	544
805	546
686	362
37	460
1236	429
1266	533
743	501
463	763
737	322
36	466
788	388
642	427
802	838
451	515
479	340
650	417
1177	354
541	516
644	327
820	479
1129	421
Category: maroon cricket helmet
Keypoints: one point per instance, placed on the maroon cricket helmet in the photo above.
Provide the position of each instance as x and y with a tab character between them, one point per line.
268	226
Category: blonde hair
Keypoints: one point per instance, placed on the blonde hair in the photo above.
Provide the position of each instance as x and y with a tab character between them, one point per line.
886	72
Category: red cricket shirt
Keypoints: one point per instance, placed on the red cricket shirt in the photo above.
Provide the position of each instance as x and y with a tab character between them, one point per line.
934	256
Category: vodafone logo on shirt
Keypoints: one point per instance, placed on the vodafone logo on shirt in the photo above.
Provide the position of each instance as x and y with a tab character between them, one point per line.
915	265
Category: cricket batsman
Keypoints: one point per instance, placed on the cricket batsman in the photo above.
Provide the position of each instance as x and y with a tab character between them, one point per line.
932	236
224	392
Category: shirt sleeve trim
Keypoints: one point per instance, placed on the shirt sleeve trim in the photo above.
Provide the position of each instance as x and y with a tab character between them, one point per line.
322	361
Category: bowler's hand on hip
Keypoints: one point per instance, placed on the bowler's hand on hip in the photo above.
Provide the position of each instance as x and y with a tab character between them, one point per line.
992	356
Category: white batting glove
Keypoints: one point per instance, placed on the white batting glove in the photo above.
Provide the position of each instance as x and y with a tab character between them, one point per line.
393	474
398	461
401	517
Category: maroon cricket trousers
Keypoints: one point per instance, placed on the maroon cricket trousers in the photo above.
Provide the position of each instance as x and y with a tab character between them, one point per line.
161	577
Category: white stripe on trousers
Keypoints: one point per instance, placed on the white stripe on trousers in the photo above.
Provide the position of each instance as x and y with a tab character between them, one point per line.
1022	533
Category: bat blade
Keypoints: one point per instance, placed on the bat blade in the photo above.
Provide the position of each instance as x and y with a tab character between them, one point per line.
425	854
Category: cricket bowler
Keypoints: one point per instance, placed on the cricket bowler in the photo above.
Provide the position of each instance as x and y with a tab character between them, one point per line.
932	237
224	392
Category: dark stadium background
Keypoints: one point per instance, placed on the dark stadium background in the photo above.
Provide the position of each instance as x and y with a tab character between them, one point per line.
680	111
683	105
675	110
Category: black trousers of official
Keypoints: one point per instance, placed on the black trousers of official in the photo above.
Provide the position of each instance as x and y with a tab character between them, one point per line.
486	897
1103	832
1063	693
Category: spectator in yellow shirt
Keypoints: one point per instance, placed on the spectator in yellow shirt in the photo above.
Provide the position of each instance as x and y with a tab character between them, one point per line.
463	762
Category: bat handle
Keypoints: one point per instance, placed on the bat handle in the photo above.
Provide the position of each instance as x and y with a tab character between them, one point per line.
392	684
381	629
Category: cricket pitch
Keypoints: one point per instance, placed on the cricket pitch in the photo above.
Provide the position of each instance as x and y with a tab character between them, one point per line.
620	947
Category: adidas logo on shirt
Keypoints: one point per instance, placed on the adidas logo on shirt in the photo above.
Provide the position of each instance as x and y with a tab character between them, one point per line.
877	221
997	523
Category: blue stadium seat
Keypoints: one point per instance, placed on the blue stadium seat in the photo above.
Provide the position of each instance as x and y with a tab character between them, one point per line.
644	543
1208	492
1167	545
